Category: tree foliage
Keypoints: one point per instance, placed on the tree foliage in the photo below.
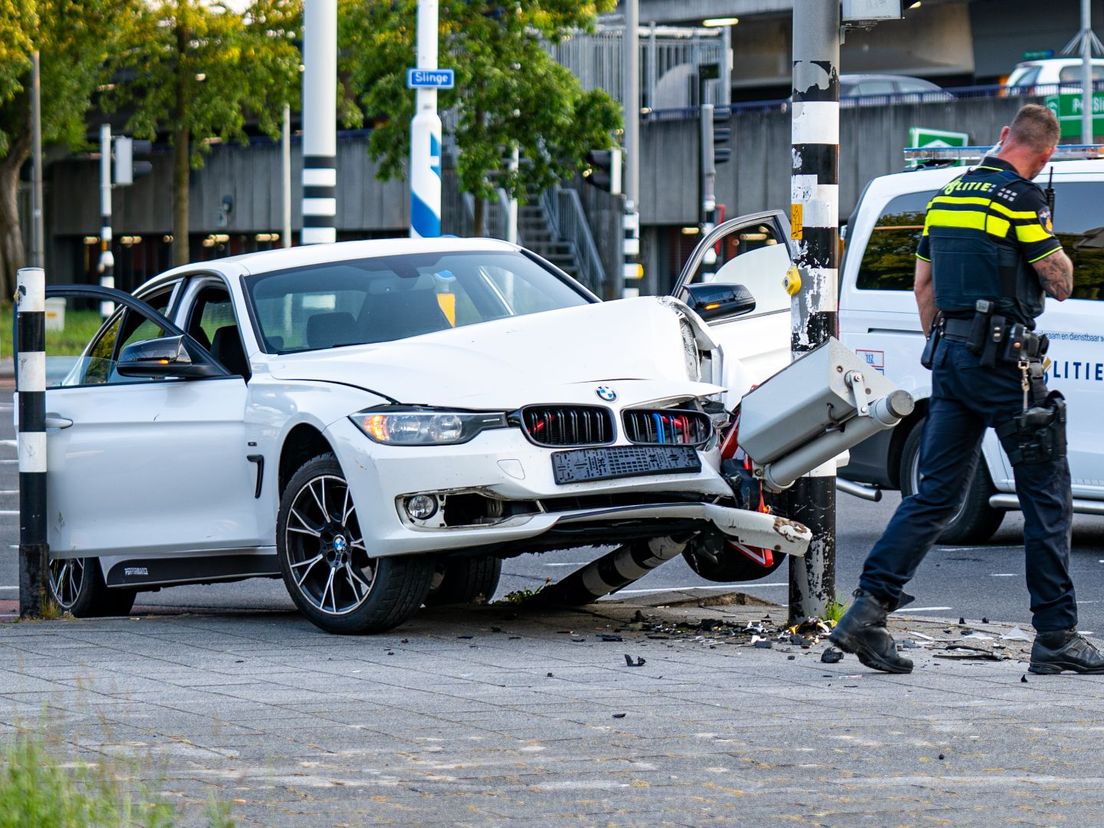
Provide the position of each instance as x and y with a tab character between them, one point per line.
197	70
75	39
509	91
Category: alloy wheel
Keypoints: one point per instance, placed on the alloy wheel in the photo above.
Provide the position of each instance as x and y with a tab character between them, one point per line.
325	549
66	579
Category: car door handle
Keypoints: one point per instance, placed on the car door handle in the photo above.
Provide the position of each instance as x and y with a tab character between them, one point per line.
57	421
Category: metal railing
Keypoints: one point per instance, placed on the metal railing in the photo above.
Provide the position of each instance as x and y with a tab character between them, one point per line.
670	58
565	214
951	93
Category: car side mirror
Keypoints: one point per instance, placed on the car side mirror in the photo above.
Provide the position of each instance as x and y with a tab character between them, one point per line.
716	300
164	357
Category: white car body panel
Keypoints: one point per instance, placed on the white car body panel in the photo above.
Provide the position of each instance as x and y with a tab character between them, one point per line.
502	364
884	327
109	473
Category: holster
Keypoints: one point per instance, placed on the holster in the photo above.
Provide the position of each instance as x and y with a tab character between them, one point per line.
927	356
1037	435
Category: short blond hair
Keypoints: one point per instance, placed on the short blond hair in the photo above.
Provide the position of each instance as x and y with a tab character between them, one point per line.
1036	127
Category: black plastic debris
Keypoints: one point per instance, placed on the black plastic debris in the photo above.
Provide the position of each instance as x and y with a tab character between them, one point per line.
1023	679
618	715
640	662
799	640
548	675
831	656
984	620
609	637
466	637
763	645
790	657
961	620
941	757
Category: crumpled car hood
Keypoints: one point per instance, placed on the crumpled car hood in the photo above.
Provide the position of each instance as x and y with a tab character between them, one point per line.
633	345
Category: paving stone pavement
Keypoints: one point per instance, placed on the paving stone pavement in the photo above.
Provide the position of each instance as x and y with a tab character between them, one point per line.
496	716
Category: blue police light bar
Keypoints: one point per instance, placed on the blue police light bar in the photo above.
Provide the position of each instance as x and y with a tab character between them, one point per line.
430	78
1065	152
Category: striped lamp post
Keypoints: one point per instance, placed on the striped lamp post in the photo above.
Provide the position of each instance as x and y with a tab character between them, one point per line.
31	385
319	122
609	573
425	135
814	211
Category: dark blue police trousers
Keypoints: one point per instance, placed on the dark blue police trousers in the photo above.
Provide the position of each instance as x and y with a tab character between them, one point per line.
966	399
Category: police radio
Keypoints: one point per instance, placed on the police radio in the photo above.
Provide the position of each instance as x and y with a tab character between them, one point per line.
1049	192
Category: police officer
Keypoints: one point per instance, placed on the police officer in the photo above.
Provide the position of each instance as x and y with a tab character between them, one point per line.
986	258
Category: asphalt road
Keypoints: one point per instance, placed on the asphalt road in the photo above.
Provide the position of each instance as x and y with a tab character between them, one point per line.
975	582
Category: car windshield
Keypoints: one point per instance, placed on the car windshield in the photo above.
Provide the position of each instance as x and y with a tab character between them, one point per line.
385	298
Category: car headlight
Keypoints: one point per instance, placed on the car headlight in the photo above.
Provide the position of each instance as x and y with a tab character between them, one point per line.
395	426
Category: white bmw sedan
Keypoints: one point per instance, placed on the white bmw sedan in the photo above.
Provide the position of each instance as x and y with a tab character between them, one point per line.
379	423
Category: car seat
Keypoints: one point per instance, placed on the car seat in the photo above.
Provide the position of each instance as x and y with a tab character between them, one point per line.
325	330
399	314
226	347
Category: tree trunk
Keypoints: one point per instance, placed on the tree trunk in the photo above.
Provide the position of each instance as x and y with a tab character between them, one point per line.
477	217
181	174
12	254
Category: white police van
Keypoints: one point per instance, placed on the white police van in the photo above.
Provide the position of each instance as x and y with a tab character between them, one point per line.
879	320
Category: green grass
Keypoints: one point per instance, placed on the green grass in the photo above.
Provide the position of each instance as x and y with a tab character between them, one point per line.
80	327
39	790
834	612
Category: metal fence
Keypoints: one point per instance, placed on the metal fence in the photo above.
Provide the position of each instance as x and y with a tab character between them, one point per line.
670	63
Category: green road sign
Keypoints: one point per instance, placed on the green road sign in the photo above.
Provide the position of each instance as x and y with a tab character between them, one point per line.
924	137
1067	107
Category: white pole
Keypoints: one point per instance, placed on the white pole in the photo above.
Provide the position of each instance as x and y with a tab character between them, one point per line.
285	177
630	57
512	212
319	122
1086	73
38	234
106	265
425	134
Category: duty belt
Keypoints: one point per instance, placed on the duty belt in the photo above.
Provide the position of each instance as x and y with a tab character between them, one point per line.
957	329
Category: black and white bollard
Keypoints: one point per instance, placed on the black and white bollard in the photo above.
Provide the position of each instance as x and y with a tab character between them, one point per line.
609	573
31	385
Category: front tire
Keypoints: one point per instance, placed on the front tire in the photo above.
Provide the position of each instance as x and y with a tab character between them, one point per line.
78	588
465	581
975	521
326	565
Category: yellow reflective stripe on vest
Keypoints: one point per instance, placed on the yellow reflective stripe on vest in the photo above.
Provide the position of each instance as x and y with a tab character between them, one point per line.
1030	233
984	202
969	220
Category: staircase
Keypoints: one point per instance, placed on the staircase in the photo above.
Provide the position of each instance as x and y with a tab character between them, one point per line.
537	233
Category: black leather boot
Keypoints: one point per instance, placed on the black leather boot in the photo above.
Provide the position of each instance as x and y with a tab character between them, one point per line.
862	631
1061	650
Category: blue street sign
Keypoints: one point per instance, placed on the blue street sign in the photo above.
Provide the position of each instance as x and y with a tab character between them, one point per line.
429	78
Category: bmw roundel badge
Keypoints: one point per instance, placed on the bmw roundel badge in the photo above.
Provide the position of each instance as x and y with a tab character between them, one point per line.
606	393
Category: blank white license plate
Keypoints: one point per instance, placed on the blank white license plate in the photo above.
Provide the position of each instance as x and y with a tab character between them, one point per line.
580	465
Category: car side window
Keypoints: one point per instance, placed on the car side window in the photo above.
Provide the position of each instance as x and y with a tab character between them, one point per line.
889	260
1072	74
124	327
212	323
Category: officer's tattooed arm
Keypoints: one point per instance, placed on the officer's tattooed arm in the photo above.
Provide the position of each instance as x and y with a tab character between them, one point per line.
1056	274
925	294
